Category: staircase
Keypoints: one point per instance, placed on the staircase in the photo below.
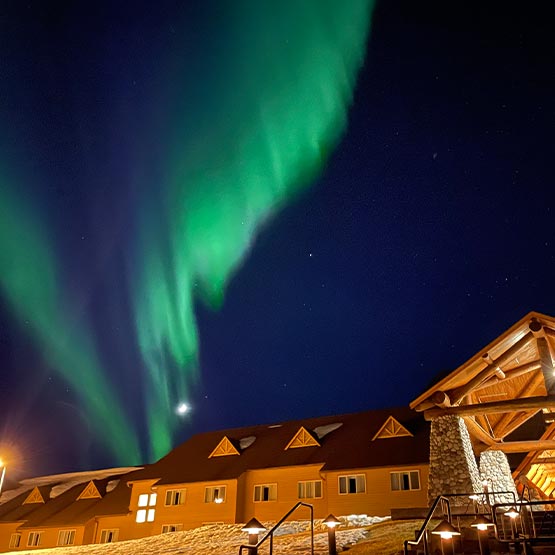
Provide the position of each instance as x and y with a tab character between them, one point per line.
524	527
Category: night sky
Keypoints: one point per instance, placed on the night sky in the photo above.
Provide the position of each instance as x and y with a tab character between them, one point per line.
427	231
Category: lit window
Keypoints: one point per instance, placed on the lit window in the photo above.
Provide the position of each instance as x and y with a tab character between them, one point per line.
405	481
175	497
34	539
168	528
66	537
109	536
214	494
310	490
147	500
15	540
265	492
144	515
352	484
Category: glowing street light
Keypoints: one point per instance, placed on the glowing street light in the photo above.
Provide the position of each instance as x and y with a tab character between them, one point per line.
331	522
481	523
253	528
3	467
445	530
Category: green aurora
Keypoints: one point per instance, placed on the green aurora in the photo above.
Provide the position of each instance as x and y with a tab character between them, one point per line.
241	142
31	283
239	154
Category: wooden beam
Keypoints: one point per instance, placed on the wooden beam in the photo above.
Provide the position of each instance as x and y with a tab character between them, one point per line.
523	446
493	369
528	389
549	331
478	432
512	405
545	460
510	374
519	421
546	364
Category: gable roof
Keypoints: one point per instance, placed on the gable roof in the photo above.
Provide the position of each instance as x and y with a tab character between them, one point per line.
35	496
303	438
224	448
517	341
391	428
346	443
90	492
72	509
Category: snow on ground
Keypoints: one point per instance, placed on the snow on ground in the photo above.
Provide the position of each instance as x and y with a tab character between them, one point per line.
291	538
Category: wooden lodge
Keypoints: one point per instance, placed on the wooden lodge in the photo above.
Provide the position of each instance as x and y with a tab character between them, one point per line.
489	422
364	463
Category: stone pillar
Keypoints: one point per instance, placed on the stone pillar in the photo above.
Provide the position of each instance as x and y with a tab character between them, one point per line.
495	470
453	467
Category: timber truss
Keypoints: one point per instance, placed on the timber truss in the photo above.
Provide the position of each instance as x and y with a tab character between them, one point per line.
502	387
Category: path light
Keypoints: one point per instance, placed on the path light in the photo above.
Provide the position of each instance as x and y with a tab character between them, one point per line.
481	523
331	522
512	513
445	530
253	528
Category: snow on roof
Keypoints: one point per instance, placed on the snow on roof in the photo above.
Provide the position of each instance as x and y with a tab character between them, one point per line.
63	482
322	431
245	442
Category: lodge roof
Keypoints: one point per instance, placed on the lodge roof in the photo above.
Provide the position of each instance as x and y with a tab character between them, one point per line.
67	508
346	442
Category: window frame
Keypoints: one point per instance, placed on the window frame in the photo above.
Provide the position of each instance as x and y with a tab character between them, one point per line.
272	488
104	532
348	478
35	534
70	533
15	540
410	480
182	492
303	484
221	488
178	528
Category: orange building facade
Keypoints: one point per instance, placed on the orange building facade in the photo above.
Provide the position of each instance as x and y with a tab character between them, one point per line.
363	463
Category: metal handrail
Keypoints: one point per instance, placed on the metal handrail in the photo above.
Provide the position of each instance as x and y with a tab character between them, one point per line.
445	500
270	533
424	528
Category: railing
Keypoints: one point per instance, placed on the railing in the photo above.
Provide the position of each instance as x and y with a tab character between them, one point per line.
532	523
423	532
270	533
444	502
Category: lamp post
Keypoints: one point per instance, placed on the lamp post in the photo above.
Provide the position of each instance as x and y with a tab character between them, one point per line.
445	530
253	528
3	467
512	513
331	522
482	523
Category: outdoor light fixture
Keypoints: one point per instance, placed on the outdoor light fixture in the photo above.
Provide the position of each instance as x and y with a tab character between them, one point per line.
253	528
512	513
331	522
445	530
482	523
